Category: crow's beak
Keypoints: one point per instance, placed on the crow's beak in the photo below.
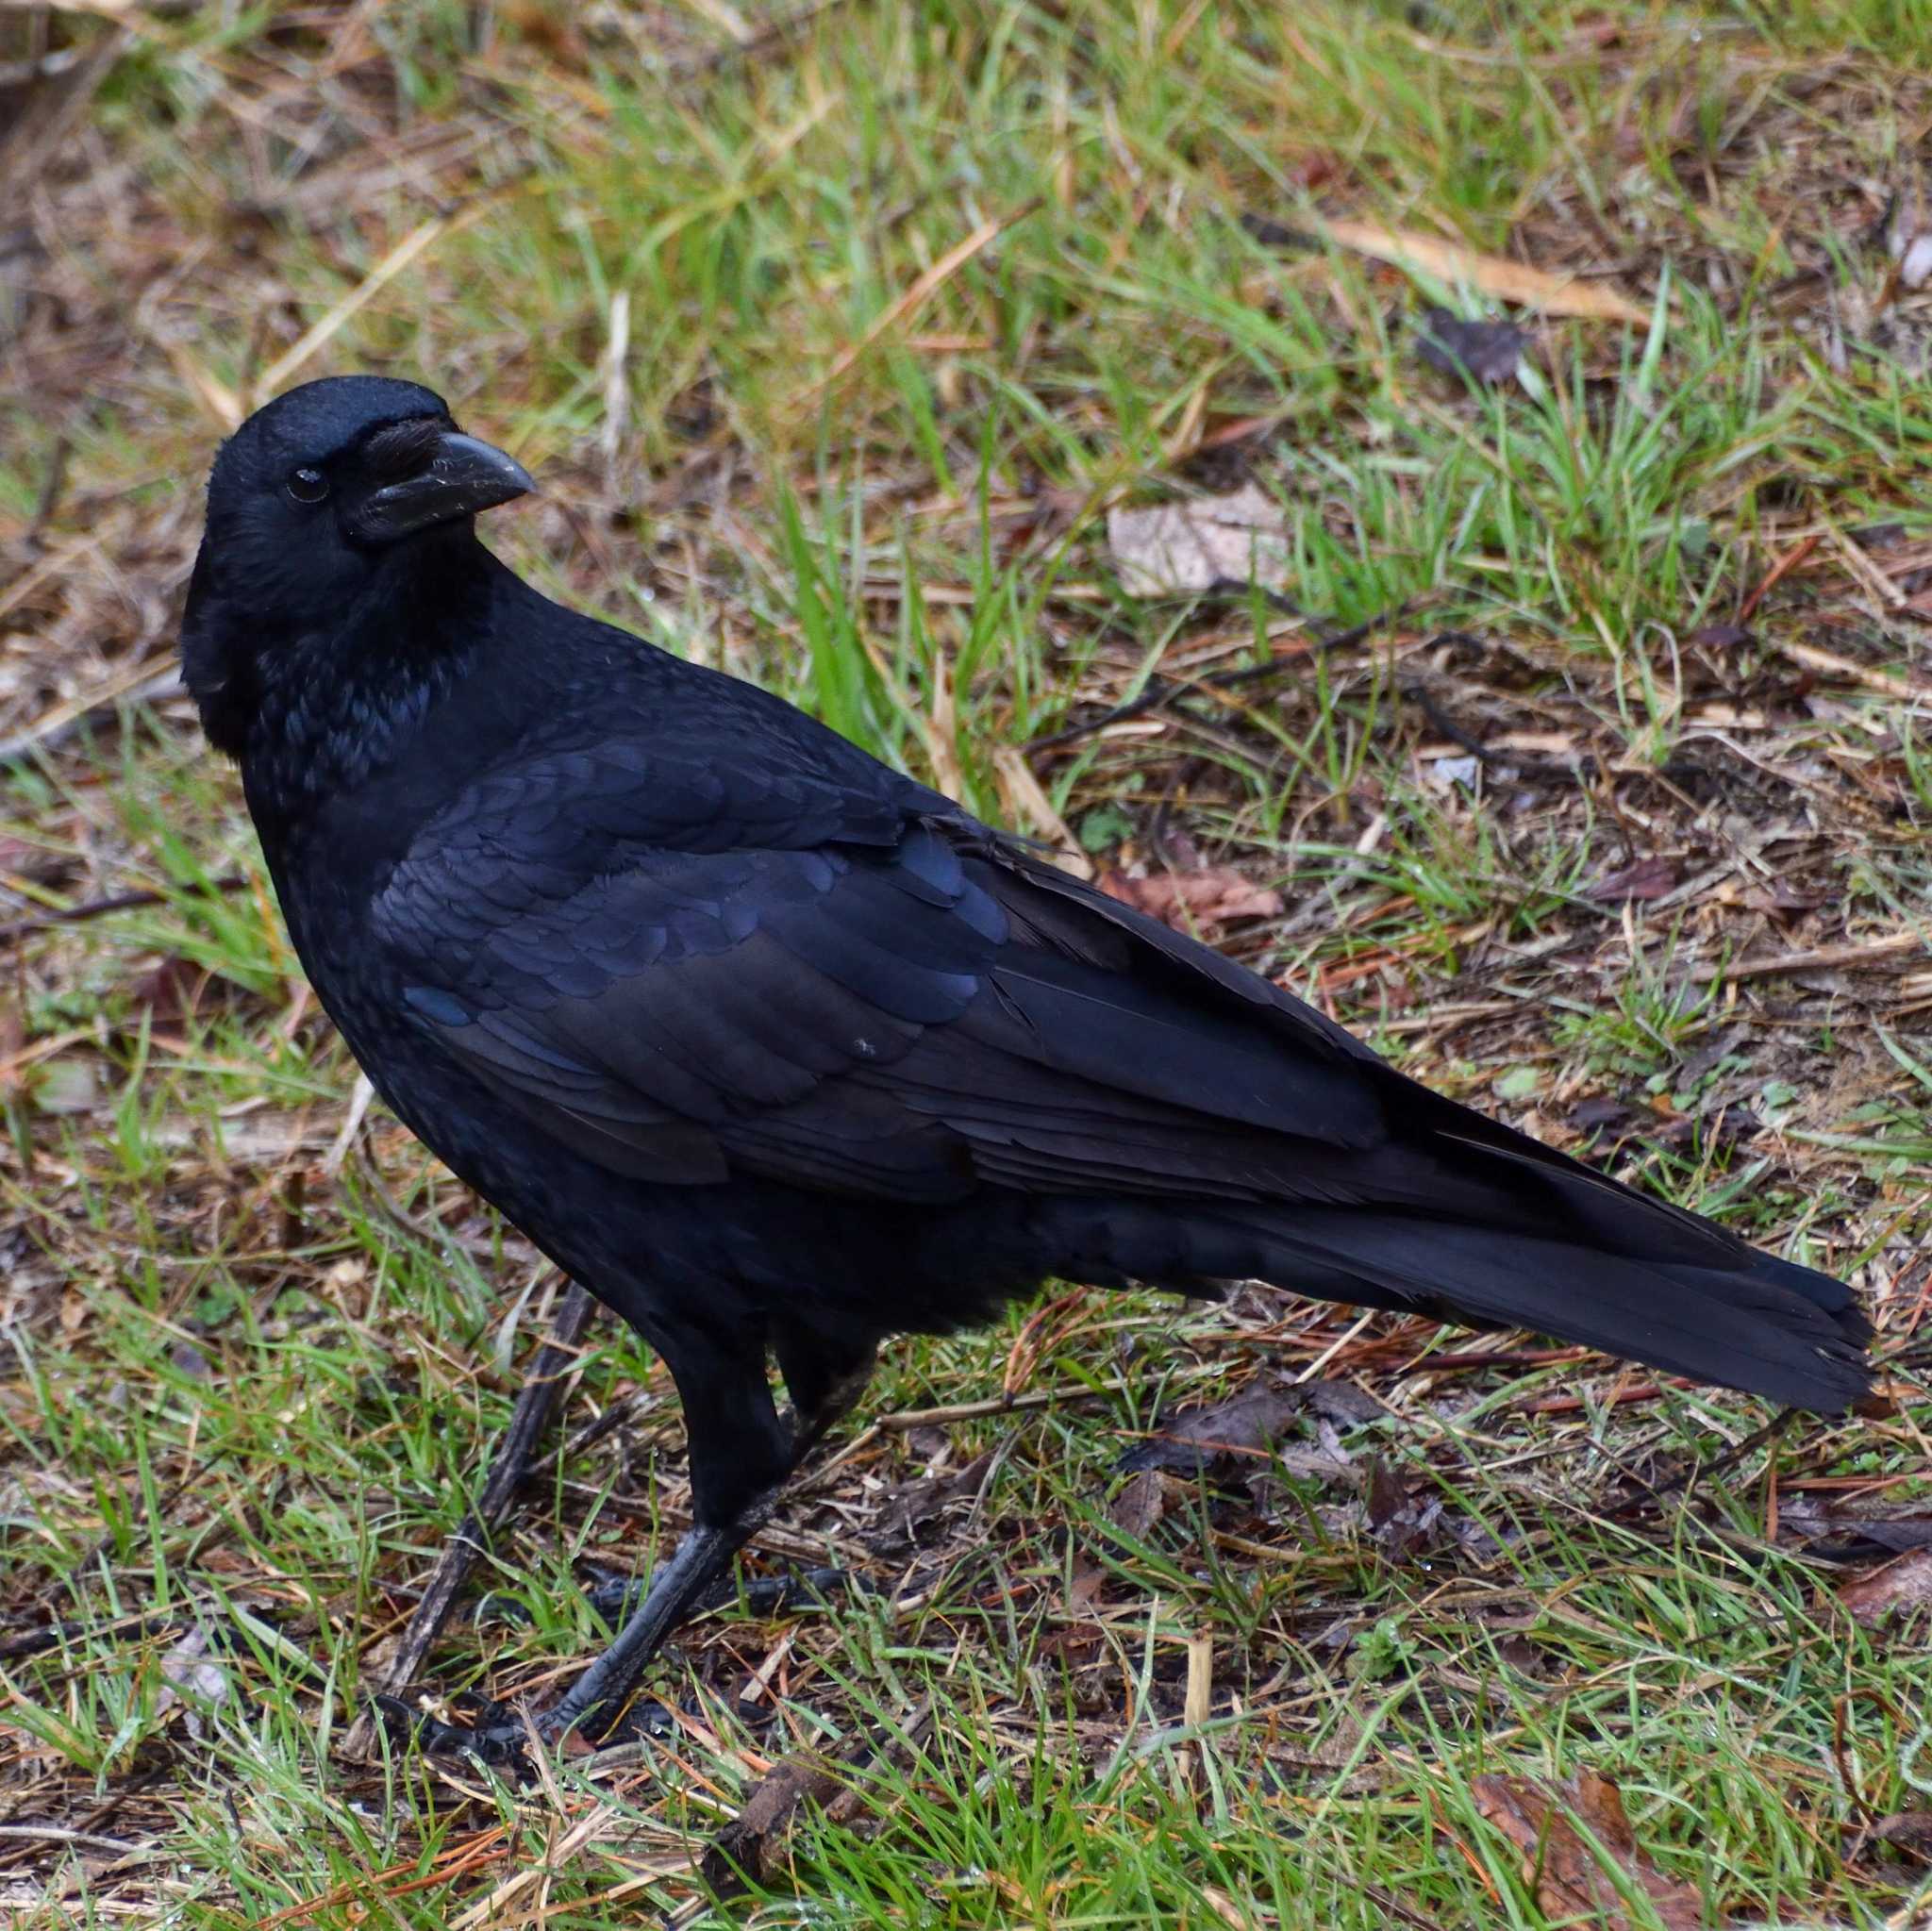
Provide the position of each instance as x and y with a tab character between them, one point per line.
463	476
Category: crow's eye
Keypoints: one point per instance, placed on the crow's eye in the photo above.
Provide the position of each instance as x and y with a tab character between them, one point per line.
309	486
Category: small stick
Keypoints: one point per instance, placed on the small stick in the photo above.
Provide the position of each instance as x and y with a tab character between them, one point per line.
995	1404
1165	694
527	1422
118	902
1814	959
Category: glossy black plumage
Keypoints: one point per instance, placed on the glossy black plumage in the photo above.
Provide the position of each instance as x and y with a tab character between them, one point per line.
775	1049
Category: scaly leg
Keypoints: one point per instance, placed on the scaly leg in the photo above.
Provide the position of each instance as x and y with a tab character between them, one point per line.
742	1456
824	1394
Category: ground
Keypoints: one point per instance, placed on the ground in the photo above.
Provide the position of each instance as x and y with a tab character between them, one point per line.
1574	760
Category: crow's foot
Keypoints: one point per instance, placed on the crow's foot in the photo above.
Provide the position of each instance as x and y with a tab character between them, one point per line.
497	1734
618	1598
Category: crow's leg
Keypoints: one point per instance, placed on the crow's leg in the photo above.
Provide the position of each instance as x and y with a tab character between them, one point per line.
742	1456
823	1379
514	1453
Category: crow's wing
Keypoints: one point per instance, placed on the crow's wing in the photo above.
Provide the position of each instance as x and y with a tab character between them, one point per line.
850	992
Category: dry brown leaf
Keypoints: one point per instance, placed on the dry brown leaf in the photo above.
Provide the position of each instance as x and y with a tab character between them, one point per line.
1196	1439
1567	1872
1485	350
1209	896
1892	1587
1027	803
1907	1831
746	1849
1182	547
1653	877
750	1847
1140	1506
1489	275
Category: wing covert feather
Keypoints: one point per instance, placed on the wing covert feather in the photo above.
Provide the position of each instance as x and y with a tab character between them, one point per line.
904	1016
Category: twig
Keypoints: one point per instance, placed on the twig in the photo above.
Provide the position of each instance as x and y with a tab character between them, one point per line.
116	902
1815	959
1159	697
33	1642
935	278
1444	725
995	1404
1782	568
527	1422
1830	665
53	1834
141	684
52	483
352	1124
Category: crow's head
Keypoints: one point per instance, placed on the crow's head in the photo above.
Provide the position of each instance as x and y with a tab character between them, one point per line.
316	499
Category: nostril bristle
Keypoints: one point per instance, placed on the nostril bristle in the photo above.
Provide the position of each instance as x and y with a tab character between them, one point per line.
403	449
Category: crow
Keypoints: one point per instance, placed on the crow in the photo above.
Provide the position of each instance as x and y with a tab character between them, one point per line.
780	1052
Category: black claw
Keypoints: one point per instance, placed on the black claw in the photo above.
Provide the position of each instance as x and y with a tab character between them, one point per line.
616	1598
645	1720
497	1739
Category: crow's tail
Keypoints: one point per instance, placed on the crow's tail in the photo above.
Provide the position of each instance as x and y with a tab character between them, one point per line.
1760	1323
1709	1307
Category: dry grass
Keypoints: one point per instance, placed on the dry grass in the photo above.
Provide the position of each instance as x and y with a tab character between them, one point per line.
833	338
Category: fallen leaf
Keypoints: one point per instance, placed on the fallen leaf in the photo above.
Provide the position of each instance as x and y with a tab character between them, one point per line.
1200	543
1485	350
1567	1872
1444	771
1210	896
1587	1116
1780	897
68	1085
549	32
747	1849
186	1672
1342	1402
1140	1506
1489	275
190	1361
1648	878
1846	1537
21	858
1025	800
1238	1917
910	1508
1722	636
1909	1831
1897	1587
1404	1522
173	992
1083	1591
1237	1431
1915	262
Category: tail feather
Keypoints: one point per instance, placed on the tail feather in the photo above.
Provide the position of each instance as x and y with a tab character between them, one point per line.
1734	1316
1760	1323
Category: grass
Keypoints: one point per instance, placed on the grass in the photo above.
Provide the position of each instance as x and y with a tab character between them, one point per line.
833	345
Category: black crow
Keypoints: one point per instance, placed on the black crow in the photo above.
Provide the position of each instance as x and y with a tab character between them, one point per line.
780	1052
